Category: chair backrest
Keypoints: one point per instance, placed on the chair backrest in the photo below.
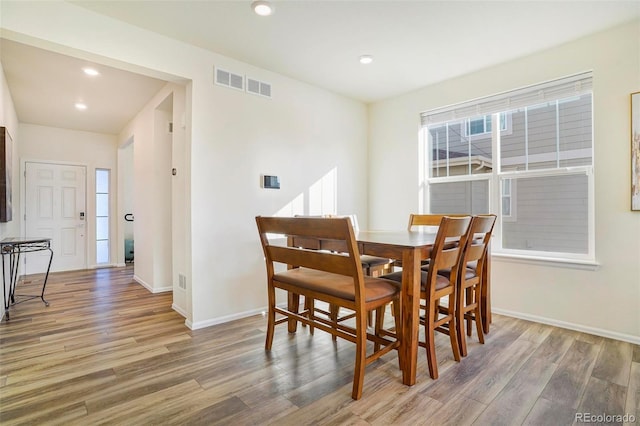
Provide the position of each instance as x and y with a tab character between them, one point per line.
338	231
428	219
447	251
477	245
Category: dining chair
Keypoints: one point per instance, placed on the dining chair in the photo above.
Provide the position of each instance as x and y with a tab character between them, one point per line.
424	221
470	279
371	265
335	278
447	253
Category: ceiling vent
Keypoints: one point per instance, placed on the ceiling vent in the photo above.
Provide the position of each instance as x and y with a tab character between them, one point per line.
229	79
258	87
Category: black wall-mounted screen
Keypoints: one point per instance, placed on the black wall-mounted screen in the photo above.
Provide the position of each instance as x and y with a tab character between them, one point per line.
270	182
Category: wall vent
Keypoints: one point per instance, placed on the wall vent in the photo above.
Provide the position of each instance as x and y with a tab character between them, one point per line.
258	87
228	79
182	281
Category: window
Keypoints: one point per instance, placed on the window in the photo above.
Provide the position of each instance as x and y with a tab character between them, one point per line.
541	145
506	198
482	125
102	216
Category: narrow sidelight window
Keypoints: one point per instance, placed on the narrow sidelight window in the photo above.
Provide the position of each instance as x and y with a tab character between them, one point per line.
102	216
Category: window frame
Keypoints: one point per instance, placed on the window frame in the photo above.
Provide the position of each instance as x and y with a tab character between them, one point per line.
107	216
496	176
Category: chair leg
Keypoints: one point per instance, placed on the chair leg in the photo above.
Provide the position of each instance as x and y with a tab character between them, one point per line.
460	326
294	306
378	326
470	300
453	329
431	352
310	306
395	308
307	302
397	316
361	355
430	337
334	310
478	314
271	319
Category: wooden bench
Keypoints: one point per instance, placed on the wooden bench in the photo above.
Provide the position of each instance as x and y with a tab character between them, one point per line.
334	277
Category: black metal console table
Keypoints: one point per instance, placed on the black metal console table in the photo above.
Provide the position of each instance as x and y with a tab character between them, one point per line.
13	248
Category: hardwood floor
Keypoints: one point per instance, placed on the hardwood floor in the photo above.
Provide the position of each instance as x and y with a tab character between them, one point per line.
106	351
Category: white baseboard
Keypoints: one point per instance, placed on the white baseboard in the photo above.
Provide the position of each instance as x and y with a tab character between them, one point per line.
149	287
571	326
103	265
220	320
179	310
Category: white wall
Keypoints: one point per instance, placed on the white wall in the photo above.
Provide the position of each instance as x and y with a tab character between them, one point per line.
232	137
605	301
152	190
180	202
126	185
301	134
64	146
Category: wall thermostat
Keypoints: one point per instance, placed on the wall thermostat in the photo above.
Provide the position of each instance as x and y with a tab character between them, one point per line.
271	182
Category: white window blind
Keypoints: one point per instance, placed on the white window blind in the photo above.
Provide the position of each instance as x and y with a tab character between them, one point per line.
549	91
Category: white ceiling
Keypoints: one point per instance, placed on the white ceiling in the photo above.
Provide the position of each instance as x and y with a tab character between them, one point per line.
414	43
45	86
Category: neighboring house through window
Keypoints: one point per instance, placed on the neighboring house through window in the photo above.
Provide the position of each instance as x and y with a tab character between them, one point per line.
482	125
506	199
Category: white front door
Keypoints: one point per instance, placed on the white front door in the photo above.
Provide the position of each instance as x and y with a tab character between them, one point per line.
55	207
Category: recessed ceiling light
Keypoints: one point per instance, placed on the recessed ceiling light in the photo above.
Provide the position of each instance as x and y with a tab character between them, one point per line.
80	106
366	59
262	8
90	71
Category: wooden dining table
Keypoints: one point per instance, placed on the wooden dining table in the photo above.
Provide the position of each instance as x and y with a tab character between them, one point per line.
411	247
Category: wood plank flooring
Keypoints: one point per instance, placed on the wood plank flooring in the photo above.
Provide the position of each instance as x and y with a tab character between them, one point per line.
106	351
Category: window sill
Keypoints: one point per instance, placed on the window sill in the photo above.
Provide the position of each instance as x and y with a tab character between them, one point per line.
585	265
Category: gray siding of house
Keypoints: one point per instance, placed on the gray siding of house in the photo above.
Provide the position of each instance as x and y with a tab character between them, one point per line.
575	134
551	215
471	197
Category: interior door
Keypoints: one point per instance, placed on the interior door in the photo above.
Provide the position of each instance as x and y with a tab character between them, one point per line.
55	207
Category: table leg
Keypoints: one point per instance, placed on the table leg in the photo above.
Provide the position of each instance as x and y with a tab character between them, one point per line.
13	271
293	305
10	286
410	315
46	277
6	288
